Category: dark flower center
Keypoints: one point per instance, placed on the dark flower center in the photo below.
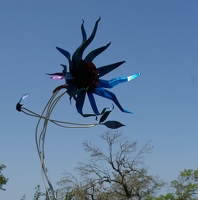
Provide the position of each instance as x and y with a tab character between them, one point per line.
86	75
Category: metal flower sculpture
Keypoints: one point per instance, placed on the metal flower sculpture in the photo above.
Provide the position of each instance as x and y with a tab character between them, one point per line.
84	78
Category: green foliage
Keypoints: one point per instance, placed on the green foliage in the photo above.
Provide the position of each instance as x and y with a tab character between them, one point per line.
3	180
23	197
69	196
168	196
38	193
185	187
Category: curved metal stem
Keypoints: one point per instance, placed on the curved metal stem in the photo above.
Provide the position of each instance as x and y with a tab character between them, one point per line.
41	135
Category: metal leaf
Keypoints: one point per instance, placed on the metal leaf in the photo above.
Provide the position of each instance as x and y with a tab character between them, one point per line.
113	124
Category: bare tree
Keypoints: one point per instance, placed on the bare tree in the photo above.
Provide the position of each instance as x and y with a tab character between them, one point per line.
87	189
117	173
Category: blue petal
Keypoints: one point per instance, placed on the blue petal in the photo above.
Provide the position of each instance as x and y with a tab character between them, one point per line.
23	97
106	69
64	67
109	95
56	74
77	56
83	32
115	81
95	53
65	53
93	103
133	76
80	101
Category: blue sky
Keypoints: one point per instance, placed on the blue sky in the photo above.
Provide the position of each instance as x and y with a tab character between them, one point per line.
157	38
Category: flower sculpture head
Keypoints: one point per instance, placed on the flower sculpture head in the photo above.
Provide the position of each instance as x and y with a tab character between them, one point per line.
84	78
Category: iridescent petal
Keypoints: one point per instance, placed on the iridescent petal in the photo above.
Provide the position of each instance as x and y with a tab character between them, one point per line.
93	103
56	76
23	97
19	105
109	95
133	76
115	81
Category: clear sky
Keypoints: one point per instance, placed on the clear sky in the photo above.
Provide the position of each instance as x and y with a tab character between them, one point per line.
157	38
